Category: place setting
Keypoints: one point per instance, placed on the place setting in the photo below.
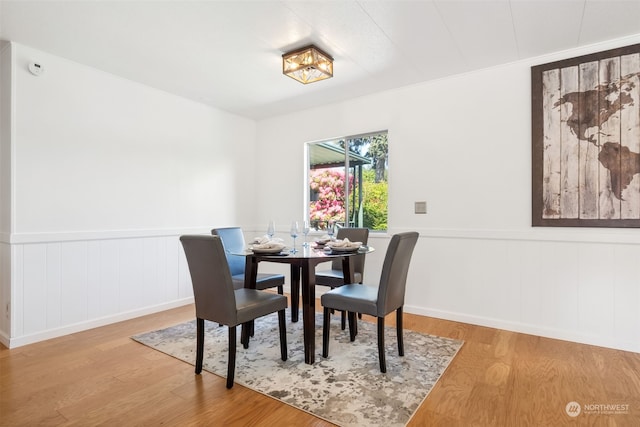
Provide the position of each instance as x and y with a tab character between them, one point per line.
325	244
343	246
334	246
269	246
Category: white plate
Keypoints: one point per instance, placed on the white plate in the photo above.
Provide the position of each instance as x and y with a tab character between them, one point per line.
267	251
344	249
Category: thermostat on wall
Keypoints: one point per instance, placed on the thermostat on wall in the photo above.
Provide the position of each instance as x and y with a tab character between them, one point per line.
35	68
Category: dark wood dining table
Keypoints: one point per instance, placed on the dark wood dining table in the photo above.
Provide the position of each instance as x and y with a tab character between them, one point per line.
303	265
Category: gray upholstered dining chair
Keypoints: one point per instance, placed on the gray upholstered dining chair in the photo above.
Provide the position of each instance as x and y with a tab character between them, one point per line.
378	302
216	299
335	277
233	241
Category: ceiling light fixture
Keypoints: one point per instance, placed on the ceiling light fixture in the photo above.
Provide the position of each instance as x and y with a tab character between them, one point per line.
307	65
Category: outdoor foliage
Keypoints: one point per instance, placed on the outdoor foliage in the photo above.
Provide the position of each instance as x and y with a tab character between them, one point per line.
376	147
327	185
375	202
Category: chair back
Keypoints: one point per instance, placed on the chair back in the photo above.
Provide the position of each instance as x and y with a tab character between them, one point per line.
354	235
393	280
213	291
233	242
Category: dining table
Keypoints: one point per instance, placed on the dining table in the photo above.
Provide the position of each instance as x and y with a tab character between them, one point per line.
303	263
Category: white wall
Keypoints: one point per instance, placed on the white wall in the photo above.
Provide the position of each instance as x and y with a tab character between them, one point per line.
96	152
106	174
5	140
463	144
5	193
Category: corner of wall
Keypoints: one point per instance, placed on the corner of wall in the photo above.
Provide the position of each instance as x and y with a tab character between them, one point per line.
6	128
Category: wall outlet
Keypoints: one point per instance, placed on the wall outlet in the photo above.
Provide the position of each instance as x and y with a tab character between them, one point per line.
420	207
7	310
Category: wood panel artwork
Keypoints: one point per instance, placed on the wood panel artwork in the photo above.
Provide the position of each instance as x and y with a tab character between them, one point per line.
586	140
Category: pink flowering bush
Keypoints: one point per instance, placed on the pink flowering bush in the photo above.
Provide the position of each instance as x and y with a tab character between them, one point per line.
327	188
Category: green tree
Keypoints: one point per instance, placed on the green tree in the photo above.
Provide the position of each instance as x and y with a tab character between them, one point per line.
375	187
379	153
376	147
375	202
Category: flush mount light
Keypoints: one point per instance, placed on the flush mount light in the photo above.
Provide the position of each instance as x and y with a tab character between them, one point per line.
307	65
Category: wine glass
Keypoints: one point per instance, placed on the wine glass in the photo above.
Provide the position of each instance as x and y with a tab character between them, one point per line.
305	230
271	229
294	234
330	228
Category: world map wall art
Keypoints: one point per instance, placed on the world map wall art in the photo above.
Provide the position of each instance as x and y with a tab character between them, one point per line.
586	140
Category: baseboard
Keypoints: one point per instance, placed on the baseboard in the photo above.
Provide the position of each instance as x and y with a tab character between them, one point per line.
4	339
524	328
90	324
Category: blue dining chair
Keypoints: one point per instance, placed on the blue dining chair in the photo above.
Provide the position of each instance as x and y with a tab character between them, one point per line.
234	243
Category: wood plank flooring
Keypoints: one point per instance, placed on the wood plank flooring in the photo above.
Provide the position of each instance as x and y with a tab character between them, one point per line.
499	378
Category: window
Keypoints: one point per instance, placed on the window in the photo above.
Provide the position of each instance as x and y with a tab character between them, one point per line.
348	182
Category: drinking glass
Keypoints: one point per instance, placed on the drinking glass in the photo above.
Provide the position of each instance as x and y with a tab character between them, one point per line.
271	229
305	230
330	228
294	234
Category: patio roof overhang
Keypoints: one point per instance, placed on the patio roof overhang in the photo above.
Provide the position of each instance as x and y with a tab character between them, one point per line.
326	155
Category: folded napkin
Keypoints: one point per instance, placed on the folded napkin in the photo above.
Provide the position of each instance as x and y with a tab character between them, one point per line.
346	244
265	239
266	243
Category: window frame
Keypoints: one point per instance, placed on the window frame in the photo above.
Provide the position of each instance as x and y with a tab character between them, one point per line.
346	165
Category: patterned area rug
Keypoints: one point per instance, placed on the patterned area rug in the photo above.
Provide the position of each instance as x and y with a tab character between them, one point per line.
346	389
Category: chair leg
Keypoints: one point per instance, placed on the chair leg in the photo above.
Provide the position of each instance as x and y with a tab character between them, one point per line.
244	335
231	367
355	325
199	344
383	364
343	320
326	318
360	314
352	325
399	331
283	335
280	290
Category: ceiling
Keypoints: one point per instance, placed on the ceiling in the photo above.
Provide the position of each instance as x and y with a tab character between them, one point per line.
227	54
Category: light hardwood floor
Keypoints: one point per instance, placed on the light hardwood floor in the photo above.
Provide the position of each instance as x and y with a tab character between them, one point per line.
499	378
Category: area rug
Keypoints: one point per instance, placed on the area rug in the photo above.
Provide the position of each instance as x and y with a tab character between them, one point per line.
346	389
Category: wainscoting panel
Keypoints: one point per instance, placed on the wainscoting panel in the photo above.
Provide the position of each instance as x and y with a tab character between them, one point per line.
626	288
60	287
5	292
74	289
580	291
